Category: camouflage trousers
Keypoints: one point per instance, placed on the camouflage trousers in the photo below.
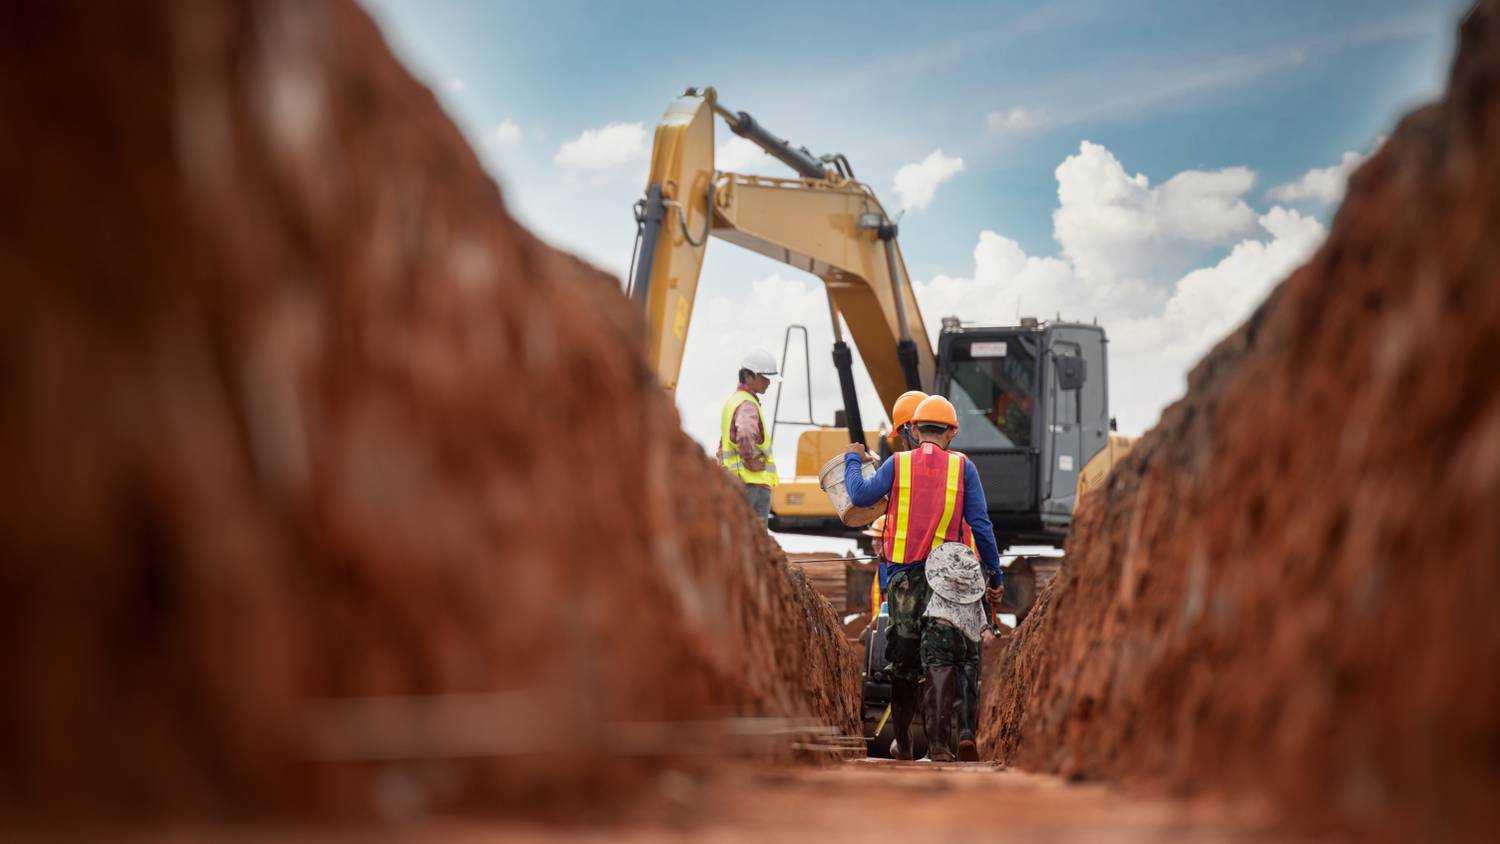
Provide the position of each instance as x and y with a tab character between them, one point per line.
914	641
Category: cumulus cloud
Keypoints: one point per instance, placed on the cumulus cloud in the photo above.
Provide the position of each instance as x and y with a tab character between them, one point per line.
1113	226
506	134
1157	331
1158	328
604	147
1011	121
738	155
1322	184
917	183
1208	302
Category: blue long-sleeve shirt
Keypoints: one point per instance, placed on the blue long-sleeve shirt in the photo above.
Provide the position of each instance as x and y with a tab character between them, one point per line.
976	512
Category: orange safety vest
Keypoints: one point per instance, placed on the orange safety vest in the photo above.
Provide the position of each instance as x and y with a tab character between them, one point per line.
926	504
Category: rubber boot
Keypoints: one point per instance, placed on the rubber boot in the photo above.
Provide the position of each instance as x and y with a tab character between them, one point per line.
937	710
968	712
903	711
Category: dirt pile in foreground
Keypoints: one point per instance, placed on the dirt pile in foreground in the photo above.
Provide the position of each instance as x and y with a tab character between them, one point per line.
1290	588
327	487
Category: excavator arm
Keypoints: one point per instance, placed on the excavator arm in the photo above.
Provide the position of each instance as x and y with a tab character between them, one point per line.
823	221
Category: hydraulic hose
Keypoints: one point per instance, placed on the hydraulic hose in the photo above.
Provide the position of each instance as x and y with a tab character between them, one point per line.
708	217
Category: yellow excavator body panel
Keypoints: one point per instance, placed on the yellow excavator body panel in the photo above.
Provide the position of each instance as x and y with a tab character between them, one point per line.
1097	470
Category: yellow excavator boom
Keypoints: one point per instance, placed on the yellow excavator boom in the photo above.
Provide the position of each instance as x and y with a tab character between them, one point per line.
822	221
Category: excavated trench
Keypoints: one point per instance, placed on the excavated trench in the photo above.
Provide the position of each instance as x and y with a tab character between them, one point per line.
332	492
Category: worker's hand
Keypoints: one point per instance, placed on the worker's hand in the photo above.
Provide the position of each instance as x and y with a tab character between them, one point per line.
854	448
871	458
994	596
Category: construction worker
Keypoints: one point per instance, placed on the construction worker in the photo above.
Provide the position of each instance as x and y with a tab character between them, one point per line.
934	493
744	437
902	438
901	411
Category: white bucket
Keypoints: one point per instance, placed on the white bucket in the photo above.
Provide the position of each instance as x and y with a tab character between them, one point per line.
831	479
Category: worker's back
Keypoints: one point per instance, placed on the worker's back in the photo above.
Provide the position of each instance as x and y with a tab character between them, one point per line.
926	506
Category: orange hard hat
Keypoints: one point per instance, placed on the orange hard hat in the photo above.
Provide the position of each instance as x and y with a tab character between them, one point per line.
936	410
905	406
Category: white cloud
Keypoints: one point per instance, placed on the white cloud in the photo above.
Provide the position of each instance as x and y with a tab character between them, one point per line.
1157	331
1117	227
1011	121
1206	303
1323	184
604	147
917	183
738	155
506	134
455	84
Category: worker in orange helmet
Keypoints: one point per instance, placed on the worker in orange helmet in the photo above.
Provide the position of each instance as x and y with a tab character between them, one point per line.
903	439
933	493
901	411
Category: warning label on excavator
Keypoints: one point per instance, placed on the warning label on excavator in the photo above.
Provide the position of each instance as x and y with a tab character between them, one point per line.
991	349
1065	462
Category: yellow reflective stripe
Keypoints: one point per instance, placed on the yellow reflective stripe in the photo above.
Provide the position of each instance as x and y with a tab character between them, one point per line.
950	500
903	506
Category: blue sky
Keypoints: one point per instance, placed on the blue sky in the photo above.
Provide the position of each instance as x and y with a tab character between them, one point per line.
1278	86
1149	163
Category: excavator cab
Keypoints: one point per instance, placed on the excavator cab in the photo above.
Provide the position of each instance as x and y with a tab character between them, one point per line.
1033	409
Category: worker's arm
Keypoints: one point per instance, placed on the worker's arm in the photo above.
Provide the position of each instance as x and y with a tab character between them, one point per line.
746	433
863	493
977	514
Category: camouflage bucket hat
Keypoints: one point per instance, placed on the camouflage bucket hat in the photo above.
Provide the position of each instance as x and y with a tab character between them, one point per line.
953	571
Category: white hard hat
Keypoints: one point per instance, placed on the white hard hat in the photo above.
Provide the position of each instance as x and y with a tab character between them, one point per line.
759	361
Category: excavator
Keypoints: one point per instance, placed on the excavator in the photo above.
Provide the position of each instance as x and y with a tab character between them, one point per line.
1032	398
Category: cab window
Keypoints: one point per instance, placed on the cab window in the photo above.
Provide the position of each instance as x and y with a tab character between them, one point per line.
992	387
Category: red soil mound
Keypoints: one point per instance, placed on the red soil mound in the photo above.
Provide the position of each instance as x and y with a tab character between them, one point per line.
294	416
1290	587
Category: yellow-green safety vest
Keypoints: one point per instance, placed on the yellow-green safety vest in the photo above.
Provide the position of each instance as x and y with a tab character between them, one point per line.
729	453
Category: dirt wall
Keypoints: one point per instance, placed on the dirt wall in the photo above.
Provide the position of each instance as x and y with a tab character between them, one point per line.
1288	590
327	486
